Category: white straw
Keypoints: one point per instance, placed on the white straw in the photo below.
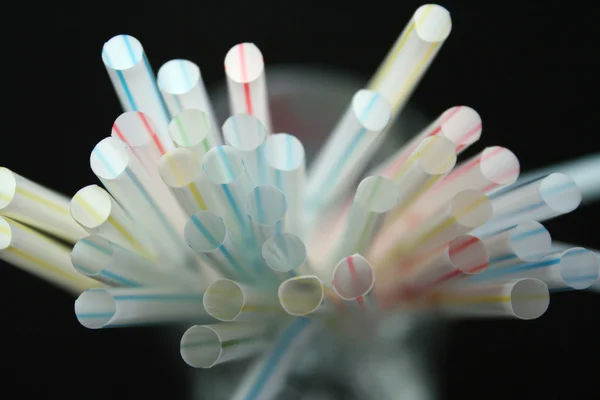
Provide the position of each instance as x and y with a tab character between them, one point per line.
247	134
266	207
182	88
134	81
33	204
192	130
301	295
286	253
247	83
353	279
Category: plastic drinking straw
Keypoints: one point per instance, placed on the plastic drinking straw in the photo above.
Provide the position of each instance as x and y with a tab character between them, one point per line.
226	300
560	246
246	134
182	88
124	307
285	253
99	214
347	150
266	207
182	173
543	199
493	168
411	55
374	197
526	242
35	205
286	164
301	295
582	170
353	279
41	256
247	83
206	233
229	185
107	262
134	82
204	346
573	269
433	158
115	166
265	378
460	124
192	130
522	298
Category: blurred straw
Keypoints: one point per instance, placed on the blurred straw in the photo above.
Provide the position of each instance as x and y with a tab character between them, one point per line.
301	295
285	253
266	207
353	279
246	134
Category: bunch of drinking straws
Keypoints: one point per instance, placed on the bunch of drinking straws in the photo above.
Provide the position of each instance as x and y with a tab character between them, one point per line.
223	228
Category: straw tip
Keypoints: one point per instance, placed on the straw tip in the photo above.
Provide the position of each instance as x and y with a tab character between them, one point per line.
432	23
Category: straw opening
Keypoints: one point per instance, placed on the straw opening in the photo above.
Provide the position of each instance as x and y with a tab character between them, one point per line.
179	167
432	23
91	206
301	295
530	240
371	109
377	194
189	128
284	152
529	298
221	165
462	125
201	347
579	268
95	308
224	300
499	165
468	254
244	63
437	155
110	158
284	252
205	231
91	255
178	77
471	208
266	205
244	132
122	52
8	187
353	277
560	193
5	234
135	128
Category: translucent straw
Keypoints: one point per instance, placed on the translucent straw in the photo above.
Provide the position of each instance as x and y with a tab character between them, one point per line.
266	377
411	55
204	346
459	124
33	204
561	246
526	242
286	253
540	200
124	307
182	88
247	134
286	163
123	176
226	301
266	207
181	172
301	295
114	265
353	279
573	269
523	299
134	81
229	185
206	233
347	150
99	214
247	83
192	130
467	210
40	256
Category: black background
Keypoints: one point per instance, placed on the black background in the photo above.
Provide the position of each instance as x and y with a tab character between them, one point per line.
529	70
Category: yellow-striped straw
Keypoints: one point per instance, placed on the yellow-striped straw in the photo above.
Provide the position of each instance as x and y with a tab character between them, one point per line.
30	203
41	256
99	214
411	55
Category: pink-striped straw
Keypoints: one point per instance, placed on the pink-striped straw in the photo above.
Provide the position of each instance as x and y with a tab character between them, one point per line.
353	279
